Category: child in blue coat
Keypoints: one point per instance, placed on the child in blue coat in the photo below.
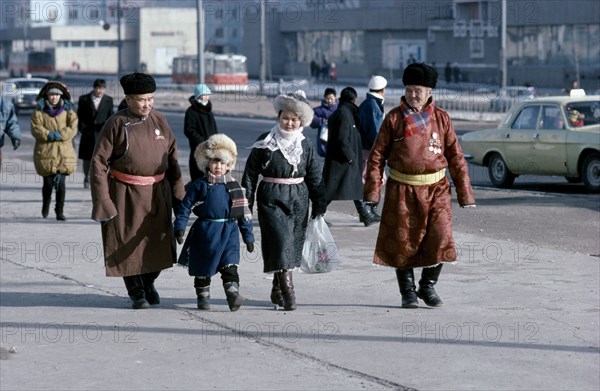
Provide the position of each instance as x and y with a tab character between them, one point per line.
219	202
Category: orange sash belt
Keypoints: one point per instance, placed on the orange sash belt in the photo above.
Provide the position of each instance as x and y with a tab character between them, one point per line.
137	180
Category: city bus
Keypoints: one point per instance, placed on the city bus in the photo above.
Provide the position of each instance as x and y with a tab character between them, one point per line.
223	71
34	63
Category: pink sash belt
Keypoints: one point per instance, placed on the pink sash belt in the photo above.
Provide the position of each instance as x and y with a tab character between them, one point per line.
136	180
284	181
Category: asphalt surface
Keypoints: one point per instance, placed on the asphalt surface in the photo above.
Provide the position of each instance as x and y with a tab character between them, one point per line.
515	316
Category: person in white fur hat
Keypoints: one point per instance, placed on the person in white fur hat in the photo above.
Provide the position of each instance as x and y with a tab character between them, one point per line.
217	199
371	113
291	176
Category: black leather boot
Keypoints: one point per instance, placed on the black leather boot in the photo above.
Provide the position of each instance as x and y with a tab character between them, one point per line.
232	292
286	284
406	281
135	290
276	296
61	190
374	211
429	277
149	289
47	195
365	215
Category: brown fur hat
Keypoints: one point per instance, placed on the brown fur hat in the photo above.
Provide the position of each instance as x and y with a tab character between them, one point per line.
295	102
218	146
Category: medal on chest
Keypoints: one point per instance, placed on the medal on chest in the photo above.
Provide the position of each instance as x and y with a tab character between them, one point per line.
435	144
157	135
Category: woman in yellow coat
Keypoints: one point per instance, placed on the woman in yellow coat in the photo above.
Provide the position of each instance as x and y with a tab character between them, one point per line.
53	125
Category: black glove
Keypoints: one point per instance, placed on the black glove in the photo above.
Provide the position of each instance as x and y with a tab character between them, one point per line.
179	236
250	247
16	143
317	211
175	203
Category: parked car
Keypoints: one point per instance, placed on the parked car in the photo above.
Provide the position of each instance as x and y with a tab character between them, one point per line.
23	91
506	97
557	135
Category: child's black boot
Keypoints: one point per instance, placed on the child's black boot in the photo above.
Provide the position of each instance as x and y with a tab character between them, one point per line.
234	299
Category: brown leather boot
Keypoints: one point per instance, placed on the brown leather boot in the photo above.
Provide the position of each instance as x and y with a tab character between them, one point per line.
276	296
286	284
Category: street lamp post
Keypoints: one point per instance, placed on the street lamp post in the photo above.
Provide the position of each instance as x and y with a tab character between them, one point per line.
263	50
119	43
200	35
503	46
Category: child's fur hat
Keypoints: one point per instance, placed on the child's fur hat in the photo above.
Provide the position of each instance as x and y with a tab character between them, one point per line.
218	146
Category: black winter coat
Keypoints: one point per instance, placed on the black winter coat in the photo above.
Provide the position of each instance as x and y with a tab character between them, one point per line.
342	172
91	122
283	208
199	124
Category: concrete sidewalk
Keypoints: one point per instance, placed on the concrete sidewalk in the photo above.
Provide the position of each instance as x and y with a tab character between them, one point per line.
516	315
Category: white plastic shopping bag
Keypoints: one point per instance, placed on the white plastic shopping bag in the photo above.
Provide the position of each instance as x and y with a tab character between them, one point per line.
320	254
324	133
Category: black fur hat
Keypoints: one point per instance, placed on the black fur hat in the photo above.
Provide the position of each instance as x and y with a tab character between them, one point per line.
138	83
420	75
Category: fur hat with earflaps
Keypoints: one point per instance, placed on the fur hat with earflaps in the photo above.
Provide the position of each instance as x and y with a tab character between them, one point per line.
295	102
217	147
54	87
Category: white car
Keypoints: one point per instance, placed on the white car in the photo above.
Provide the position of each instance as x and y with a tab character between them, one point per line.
23	91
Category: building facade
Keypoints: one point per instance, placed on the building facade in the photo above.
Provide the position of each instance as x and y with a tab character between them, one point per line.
548	42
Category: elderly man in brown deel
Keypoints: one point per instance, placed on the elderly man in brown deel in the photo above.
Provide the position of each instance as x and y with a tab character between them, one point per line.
418	143
135	177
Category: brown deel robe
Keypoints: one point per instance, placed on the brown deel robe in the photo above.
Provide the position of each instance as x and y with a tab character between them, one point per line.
416	221
137	229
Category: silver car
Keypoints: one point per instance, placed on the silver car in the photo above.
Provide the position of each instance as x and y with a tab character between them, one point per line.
23	91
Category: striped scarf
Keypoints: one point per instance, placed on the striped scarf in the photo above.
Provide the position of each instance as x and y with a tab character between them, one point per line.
416	122
239	202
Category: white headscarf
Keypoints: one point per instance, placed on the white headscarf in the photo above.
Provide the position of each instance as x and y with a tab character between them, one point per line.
289	143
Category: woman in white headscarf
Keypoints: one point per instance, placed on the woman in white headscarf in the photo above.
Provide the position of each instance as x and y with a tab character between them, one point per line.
291	175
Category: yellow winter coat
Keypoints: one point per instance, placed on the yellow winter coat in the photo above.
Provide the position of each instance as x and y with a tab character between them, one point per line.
51	157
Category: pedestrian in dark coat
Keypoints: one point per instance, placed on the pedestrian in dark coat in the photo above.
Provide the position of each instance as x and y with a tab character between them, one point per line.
199	124
291	176
342	172
93	110
328	105
213	245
